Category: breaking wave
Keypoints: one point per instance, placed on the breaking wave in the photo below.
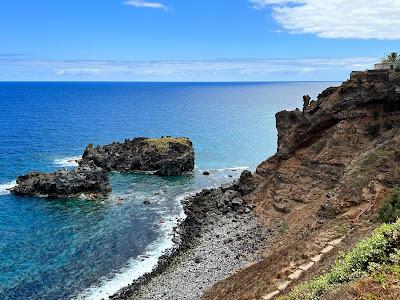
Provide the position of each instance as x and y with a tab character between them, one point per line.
4	187
71	161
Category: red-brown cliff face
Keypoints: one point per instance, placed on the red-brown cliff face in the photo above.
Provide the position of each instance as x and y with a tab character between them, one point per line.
337	151
336	161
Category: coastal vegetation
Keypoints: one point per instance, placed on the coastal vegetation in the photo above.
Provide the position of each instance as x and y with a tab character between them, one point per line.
368	168
333	177
393	57
163	143
390	211
377	256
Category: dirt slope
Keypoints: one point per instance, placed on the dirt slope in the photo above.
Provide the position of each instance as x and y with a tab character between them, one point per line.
336	161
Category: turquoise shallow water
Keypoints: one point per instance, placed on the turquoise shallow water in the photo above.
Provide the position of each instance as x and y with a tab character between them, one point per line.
63	249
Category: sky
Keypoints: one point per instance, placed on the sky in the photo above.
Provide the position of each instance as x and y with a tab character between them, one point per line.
194	40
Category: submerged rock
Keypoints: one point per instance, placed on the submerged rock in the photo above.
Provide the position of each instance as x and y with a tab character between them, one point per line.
87	179
166	156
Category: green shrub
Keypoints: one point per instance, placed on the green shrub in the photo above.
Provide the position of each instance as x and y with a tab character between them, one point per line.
390	211
372	130
380	248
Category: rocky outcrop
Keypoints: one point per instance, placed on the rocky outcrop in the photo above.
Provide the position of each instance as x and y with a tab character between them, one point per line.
87	179
165	156
338	146
336	162
366	94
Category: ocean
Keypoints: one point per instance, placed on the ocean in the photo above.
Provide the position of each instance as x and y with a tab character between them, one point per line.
82	249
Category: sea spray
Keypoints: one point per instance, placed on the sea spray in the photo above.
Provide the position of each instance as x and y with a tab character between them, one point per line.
137	267
149	260
71	161
4	187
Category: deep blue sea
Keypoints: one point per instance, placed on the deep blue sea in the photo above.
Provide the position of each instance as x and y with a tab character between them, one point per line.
81	249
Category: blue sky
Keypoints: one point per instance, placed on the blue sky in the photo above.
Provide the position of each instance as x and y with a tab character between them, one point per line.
193	40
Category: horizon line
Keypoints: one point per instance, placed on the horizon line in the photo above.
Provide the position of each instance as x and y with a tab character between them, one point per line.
125	81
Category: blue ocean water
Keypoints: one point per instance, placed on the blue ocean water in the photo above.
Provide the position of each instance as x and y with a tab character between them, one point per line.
80	249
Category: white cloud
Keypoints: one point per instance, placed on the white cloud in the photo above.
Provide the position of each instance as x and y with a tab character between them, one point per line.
77	71
146	4
355	19
184	70
264	3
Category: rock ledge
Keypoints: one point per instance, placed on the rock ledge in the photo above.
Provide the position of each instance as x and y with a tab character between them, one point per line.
87	179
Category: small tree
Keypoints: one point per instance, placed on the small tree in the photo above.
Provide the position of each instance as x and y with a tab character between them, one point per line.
393	57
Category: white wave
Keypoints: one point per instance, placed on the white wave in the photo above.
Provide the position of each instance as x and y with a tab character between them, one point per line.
233	169
4	187
71	161
240	168
146	262
139	266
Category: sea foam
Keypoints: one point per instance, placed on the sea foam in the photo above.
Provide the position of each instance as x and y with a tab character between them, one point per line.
143	264
146	262
71	161
4	187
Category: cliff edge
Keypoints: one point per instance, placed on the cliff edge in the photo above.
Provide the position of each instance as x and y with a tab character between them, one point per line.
336	162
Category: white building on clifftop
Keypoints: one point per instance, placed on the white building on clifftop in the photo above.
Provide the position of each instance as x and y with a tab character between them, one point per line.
387	66
390	62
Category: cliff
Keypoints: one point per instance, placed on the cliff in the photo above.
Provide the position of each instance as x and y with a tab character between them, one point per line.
337	159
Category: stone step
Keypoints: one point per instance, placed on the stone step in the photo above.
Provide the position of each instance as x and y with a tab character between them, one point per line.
327	249
283	285
335	242
271	295
295	275
307	266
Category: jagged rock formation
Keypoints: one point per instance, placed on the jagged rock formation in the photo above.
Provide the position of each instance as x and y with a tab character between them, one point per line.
336	161
87	179
165	156
321	149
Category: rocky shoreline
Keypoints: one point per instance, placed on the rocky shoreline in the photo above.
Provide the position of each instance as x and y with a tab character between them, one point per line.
220	235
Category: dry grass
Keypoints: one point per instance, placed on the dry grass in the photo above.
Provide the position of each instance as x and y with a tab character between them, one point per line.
368	168
377	287
162	143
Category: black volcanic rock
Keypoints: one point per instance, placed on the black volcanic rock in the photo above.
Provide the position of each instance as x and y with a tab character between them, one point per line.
165	156
87	179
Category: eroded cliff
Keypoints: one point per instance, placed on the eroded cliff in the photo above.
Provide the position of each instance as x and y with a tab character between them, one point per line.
336	161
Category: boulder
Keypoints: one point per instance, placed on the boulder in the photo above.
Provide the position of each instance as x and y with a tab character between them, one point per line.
237	202
229	195
247	183
87	179
166	156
